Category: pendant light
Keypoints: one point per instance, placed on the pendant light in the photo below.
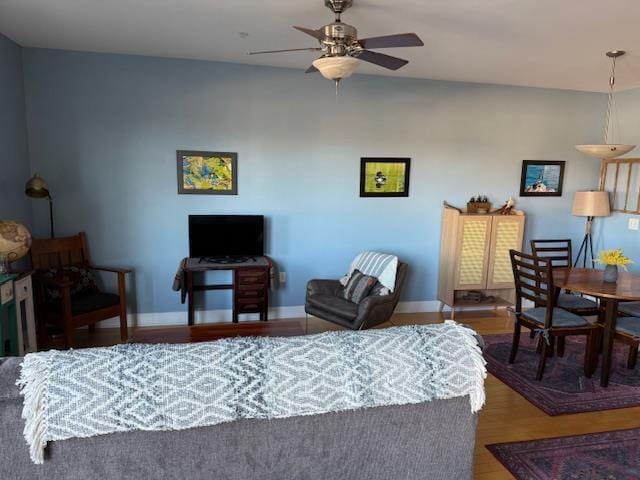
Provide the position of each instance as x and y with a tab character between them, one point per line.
608	150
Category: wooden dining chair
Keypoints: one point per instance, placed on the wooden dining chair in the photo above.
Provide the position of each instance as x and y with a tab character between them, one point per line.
66	292
558	251
534	281
560	255
628	330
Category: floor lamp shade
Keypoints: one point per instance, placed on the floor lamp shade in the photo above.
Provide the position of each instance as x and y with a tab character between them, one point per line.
591	204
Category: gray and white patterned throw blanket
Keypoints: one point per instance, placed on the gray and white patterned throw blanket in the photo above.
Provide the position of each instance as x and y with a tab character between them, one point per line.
95	391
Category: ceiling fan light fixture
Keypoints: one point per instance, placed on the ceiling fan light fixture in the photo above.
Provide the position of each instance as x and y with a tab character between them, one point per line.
336	68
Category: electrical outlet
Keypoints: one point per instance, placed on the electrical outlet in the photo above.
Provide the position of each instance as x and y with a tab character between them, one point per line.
283	277
634	223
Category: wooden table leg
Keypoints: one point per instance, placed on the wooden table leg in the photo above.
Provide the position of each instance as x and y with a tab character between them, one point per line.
611	315
190	303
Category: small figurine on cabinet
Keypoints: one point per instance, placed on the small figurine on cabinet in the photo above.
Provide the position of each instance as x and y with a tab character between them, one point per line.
507	207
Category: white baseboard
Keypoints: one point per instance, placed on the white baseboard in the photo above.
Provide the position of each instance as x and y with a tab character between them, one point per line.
224	315
200	316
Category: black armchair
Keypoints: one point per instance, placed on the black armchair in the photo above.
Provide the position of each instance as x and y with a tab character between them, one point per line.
324	301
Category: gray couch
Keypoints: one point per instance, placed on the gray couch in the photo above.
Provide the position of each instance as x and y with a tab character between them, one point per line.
431	440
324	301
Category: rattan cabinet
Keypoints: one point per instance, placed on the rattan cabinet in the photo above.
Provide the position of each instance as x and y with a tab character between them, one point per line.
475	268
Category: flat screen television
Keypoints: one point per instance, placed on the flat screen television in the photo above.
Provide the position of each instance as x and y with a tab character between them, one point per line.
226	236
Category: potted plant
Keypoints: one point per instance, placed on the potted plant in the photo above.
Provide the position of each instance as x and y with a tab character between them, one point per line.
612	259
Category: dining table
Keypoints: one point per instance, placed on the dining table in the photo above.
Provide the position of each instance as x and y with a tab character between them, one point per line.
589	281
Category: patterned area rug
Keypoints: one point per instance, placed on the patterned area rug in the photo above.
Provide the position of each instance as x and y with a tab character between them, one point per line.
597	456
564	388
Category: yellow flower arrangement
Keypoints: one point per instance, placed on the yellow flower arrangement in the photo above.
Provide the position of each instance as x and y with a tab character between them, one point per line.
614	257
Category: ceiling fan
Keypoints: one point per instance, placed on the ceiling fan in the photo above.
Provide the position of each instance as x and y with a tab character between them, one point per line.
341	49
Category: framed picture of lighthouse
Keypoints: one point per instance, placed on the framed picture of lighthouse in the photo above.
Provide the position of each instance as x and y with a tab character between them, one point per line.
541	178
384	177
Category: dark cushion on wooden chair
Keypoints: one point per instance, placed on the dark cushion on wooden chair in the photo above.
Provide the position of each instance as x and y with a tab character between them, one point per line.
629	325
630	308
561	318
575	302
81	277
88	302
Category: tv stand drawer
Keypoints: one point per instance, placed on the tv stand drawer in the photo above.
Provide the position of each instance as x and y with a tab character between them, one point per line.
250	291
250	305
251	277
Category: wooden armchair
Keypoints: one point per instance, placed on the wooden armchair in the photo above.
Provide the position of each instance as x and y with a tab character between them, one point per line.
66	294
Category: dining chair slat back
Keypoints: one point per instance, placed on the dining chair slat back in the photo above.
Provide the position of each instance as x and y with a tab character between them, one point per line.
558	251
533	281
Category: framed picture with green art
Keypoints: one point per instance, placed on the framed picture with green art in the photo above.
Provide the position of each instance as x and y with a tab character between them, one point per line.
384	177
208	173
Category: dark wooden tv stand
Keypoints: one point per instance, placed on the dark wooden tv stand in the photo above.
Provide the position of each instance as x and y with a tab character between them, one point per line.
250	285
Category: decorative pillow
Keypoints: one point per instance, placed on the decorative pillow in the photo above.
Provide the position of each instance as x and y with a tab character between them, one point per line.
81	278
380	290
358	286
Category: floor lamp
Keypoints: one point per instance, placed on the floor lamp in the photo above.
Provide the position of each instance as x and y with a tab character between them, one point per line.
36	187
590	205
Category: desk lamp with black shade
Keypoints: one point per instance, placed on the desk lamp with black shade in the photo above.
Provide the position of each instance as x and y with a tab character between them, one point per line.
36	187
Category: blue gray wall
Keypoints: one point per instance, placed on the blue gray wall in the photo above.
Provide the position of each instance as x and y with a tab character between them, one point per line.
104	130
613	232
14	161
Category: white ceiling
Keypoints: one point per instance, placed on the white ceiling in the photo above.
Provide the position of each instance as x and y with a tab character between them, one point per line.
542	43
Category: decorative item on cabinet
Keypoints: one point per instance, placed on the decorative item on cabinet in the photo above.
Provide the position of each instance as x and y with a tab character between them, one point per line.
507	208
479	204
474	258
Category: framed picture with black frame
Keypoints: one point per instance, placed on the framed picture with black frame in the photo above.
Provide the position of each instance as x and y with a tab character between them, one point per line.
384	177
207	173
542	178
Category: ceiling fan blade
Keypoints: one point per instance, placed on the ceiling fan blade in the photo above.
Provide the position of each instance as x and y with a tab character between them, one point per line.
386	61
392	41
311	69
309	31
313	49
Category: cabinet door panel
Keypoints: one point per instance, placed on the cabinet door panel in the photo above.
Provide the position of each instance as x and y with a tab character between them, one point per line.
506	235
473	248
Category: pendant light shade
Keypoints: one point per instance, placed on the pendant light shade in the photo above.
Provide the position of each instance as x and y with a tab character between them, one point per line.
605	151
336	68
608	150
